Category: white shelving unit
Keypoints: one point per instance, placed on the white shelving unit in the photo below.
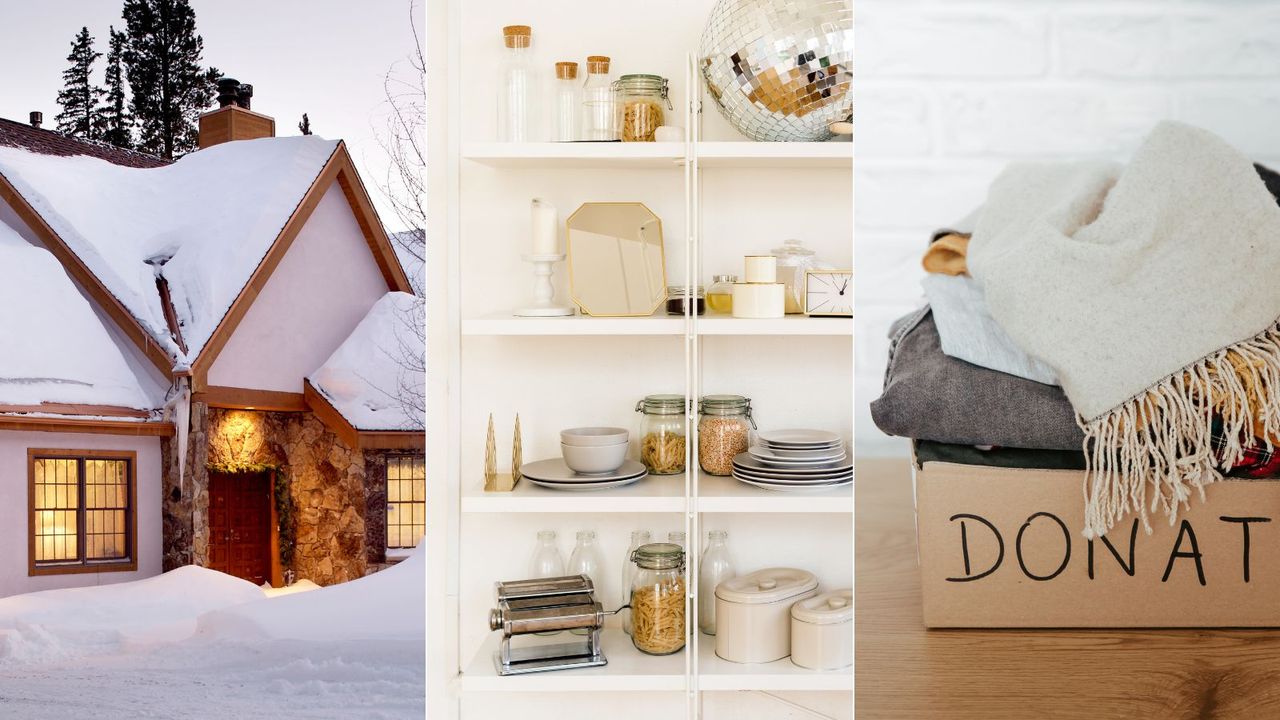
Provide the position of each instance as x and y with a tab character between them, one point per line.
720	197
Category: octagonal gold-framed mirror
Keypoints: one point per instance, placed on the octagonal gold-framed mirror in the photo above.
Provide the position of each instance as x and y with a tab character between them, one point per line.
617	263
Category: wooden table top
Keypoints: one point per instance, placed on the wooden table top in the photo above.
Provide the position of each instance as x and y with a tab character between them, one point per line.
906	671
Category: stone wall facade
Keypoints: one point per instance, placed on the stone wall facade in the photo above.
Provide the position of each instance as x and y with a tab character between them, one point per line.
337	493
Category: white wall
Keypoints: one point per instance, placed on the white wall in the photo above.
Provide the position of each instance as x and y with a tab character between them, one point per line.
948	92
322	288
13	508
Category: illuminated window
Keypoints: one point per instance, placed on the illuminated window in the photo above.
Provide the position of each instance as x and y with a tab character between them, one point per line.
406	500
82	514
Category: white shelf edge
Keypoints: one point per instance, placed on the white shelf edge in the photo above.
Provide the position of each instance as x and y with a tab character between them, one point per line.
790	326
619	675
711	154
653	494
716	674
730	496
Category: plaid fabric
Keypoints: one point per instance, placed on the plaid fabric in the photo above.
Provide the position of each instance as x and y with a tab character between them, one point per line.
1258	462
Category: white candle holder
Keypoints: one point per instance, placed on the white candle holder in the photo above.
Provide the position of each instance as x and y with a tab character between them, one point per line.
544	292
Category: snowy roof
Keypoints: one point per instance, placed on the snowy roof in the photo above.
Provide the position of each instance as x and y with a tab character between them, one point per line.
57	349
208	218
48	142
375	377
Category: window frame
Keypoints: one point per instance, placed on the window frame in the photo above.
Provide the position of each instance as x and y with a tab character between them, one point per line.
83	565
396	552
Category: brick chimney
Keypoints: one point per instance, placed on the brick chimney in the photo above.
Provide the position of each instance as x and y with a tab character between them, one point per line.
233	120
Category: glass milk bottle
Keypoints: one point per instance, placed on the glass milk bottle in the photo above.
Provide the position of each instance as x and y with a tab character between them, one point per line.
517	87
715	568
638	538
568	102
585	560
598	116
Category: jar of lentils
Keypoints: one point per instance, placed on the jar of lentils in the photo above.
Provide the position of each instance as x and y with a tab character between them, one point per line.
724	430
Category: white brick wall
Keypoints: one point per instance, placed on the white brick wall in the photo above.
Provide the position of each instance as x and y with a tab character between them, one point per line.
947	92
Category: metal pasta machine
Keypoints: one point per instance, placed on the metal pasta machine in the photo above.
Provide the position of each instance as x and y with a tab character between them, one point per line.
548	605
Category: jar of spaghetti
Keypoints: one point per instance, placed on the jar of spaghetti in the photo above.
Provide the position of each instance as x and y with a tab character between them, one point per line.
658	599
640	101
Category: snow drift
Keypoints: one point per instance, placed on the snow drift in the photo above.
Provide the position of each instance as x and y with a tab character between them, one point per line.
388	605
58	624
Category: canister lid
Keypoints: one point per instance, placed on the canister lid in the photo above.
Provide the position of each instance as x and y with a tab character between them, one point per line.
828	608
766	586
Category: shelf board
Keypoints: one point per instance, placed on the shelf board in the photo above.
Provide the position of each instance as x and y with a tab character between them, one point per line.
788	325
653	494
628	670
575	155
660	324
734	154
726	495
715	674
835	155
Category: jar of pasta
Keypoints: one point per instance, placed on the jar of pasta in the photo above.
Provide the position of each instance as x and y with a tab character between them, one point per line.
662	433
658	599
724	431
639	100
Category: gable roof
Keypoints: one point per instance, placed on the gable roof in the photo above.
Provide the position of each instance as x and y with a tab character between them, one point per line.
217	221
47	142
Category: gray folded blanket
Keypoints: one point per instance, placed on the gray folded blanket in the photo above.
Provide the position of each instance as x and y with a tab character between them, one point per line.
930	396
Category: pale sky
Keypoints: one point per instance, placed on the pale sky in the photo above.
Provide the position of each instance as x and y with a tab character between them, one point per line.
326	58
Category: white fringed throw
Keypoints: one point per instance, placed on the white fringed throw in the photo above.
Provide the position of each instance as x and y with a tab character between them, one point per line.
1153	290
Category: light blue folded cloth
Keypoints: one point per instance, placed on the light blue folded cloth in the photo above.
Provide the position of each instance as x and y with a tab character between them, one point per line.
969	333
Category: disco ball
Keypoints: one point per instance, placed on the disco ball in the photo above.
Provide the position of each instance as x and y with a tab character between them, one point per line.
780	69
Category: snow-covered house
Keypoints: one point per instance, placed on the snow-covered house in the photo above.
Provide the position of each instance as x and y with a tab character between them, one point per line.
215	360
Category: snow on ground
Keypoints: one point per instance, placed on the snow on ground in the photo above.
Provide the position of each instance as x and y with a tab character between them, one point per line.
214	213
370	372
194	643
65	354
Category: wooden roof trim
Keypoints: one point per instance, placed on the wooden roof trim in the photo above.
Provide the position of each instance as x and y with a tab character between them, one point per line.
77	409
393	440
94	426
124	320
370	226
235	398
329	415
231	320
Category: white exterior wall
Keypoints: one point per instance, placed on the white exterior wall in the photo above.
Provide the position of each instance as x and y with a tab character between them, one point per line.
323	287
948	93
13	508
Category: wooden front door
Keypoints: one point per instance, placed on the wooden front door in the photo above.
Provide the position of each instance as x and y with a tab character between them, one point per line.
240	525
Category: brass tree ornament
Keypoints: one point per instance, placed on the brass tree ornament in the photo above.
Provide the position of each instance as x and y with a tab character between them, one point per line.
516	454
490	456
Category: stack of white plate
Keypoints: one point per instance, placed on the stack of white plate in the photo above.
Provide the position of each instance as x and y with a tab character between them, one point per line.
555	474
795	460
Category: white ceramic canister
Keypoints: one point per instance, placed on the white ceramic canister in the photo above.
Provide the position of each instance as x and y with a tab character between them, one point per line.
822	631
759	300
753	613
760	268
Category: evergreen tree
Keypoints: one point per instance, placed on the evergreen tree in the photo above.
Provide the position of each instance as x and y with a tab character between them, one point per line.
304	127
115	112
162	63
79	96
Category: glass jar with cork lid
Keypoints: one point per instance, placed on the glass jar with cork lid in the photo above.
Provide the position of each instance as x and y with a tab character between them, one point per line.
639	106
568	102
598	121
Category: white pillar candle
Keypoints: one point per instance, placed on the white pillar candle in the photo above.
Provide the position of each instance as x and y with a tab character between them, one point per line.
546	228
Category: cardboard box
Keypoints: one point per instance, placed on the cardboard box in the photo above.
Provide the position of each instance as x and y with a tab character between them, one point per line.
1003	548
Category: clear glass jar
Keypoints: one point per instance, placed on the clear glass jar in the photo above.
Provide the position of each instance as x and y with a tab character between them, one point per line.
724	430
716	567
658	599
638	538
720	294
678	297
662	433
585	560
518	87
640	101
568	102
598	106
794	259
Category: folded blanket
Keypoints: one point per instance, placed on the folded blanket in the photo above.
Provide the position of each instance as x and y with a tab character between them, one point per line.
930	396
1150	290
969	333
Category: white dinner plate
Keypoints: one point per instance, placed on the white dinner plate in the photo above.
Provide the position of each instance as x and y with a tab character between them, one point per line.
774	461
817	479
747	461
766	452
555	470
796	488
584	486
800	438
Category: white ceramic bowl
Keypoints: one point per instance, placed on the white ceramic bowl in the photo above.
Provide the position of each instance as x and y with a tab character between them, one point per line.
594	436
597	459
